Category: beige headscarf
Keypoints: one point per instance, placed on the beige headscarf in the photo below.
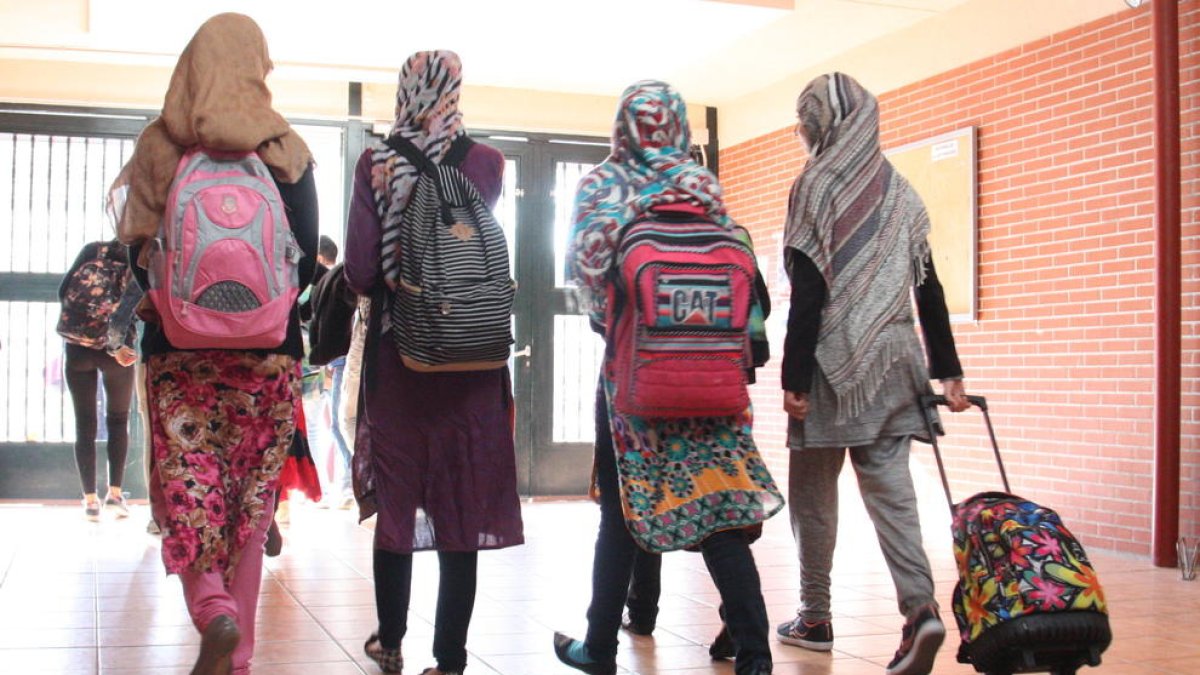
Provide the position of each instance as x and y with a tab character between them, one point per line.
218	99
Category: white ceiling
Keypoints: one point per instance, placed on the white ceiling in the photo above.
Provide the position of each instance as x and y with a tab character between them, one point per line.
712	50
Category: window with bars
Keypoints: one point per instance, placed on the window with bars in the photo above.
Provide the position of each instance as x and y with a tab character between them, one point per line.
51	204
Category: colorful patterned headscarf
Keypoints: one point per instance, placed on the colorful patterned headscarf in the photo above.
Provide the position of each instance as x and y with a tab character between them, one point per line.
866	230
427	115
649	166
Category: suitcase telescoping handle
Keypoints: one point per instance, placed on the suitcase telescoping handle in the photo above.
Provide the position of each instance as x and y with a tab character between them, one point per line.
928	404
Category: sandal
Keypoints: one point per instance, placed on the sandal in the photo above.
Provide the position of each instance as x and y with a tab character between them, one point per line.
388	660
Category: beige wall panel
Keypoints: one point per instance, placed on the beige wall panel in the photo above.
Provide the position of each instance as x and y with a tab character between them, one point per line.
965	34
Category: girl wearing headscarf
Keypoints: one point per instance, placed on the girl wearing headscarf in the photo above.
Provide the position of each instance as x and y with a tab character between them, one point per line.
669	483
434	452
221	420
856	246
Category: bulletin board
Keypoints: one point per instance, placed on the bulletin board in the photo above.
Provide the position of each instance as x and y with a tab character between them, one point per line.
943	172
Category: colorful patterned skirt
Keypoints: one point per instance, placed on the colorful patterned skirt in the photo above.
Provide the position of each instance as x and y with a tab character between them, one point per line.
221	423
685	479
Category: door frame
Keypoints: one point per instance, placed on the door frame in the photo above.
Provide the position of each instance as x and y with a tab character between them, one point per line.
544	468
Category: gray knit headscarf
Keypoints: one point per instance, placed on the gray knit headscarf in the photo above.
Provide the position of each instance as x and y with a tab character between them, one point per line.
866	230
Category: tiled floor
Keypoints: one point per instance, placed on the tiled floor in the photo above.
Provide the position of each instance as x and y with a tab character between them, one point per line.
78	597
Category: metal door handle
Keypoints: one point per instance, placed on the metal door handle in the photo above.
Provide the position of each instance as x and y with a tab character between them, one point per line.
526	352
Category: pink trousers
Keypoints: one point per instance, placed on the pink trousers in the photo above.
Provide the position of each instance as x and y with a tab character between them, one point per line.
208	596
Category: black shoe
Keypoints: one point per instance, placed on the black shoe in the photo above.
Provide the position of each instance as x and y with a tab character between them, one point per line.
722	646
217	643
922	636
562	648
273	545
636	627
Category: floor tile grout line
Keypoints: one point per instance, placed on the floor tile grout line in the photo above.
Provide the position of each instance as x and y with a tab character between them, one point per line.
283	584
96	611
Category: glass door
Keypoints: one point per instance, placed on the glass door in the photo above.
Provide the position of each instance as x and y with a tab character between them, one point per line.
556	355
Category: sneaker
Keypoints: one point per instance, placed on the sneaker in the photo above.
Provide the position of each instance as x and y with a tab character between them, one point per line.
117	504
922	636
814	635
91	510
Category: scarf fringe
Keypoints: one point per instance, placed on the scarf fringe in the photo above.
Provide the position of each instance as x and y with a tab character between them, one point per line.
854	399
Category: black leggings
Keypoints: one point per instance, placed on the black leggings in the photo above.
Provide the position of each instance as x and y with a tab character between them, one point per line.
82	367
726	554
455	603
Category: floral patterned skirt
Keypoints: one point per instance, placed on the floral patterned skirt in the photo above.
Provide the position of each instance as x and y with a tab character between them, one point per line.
221	423
685	479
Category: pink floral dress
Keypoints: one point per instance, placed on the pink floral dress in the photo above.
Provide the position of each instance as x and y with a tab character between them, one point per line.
221	422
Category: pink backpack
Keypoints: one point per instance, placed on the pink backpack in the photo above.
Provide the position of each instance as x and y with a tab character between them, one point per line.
678	315
223	273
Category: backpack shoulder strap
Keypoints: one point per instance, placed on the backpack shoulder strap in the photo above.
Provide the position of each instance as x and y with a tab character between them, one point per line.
454	156
412	153
457	153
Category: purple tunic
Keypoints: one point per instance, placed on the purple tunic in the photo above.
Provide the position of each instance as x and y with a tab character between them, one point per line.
434	452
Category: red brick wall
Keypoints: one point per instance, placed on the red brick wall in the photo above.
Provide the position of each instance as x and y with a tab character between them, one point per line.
1063	342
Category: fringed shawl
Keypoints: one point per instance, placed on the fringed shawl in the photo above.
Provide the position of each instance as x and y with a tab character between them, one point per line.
865	229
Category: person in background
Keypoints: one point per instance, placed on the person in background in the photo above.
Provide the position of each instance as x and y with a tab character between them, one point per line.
433	453
856	246
221	419
98	296
340	494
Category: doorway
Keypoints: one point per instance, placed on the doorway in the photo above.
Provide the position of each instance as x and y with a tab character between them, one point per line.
556	355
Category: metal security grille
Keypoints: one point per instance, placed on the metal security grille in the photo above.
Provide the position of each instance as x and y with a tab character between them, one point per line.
52	195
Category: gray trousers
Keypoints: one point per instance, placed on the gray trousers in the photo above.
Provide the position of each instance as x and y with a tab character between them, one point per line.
887	491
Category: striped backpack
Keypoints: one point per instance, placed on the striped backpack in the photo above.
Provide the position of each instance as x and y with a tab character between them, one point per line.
452	308
224	269
679	313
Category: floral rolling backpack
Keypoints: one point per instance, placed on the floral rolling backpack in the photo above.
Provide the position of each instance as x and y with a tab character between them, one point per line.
1027	599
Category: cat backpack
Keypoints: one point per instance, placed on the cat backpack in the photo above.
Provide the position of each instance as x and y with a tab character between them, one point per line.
223	270
679	311
452	310
91	295
1027	599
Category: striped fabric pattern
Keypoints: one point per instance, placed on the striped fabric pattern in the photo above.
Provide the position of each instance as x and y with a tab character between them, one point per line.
427	115
865	229
455	295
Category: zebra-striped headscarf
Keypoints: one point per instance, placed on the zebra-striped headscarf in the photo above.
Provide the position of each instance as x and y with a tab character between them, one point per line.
427	115
865	229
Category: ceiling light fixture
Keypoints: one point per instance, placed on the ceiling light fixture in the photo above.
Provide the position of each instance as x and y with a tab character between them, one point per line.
1134	3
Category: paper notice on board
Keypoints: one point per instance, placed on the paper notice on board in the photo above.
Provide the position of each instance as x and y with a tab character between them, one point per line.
944	150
